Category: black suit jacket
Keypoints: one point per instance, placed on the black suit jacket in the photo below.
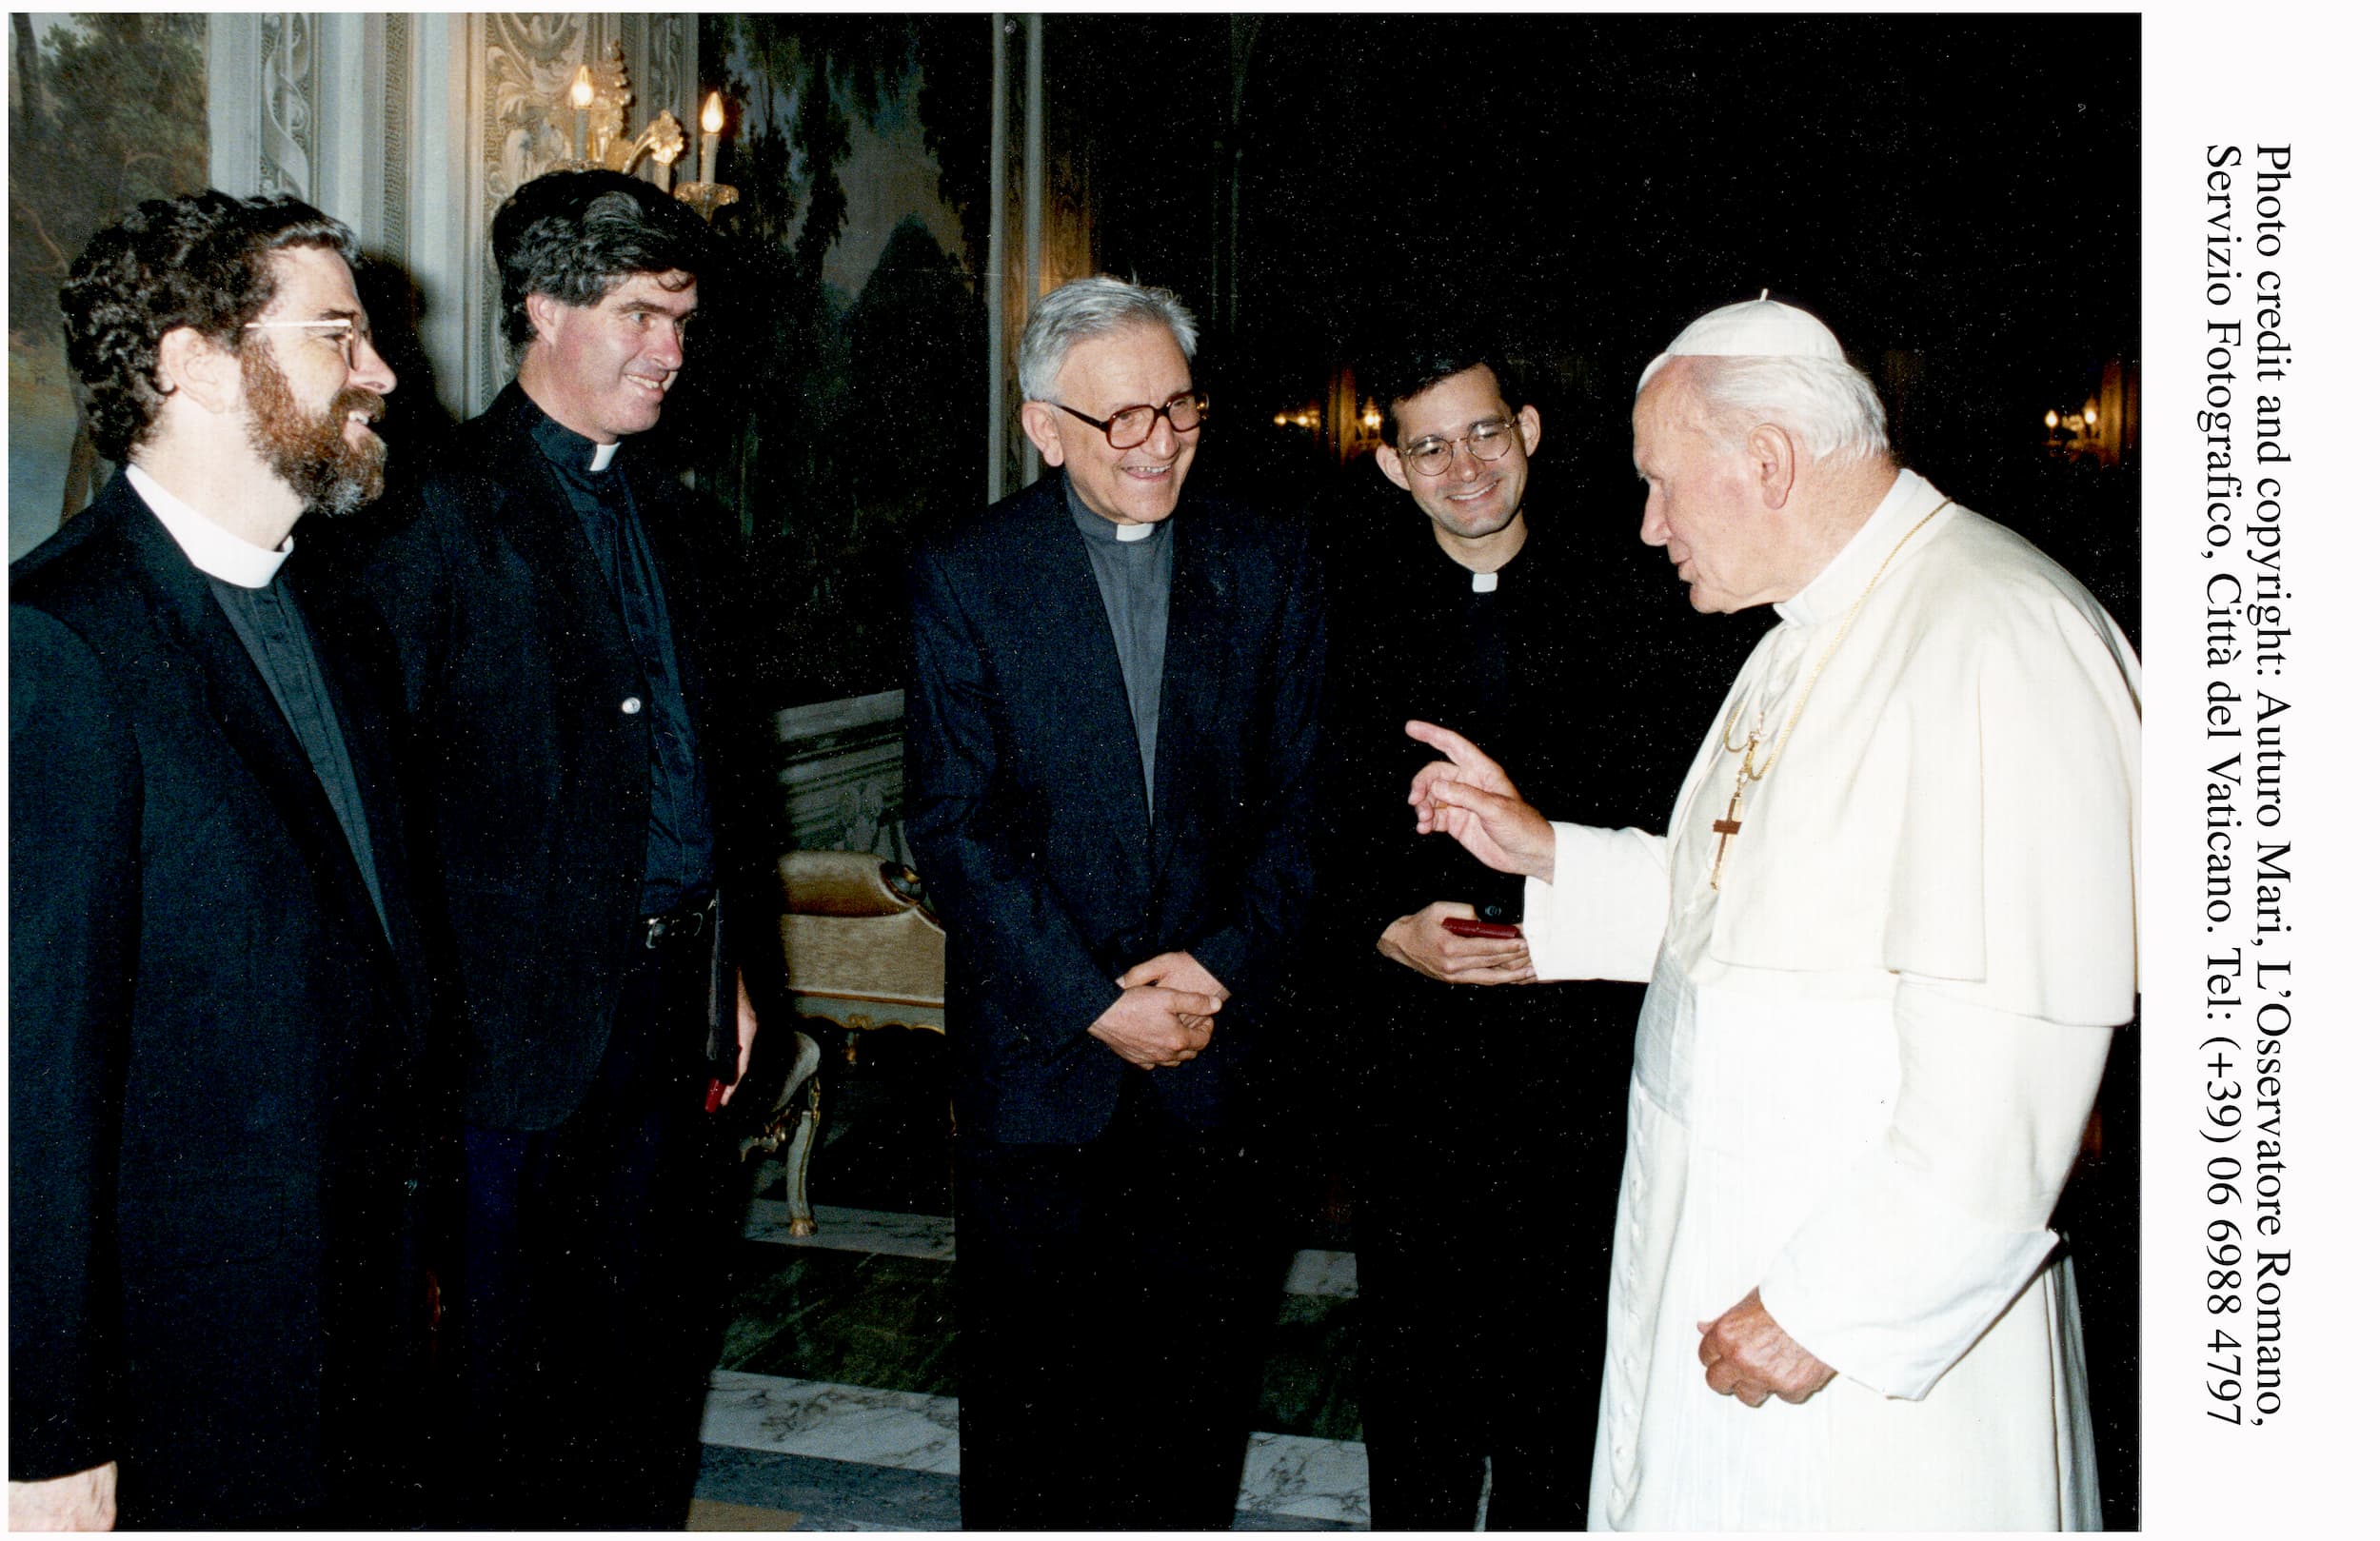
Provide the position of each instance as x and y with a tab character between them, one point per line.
213	1049
530	784
1028	813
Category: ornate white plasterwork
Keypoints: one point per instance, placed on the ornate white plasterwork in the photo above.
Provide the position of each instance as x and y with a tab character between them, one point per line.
524	64
414	128
529	61
285	99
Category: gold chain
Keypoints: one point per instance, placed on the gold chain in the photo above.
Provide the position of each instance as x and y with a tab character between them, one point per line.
1747	772
1746	748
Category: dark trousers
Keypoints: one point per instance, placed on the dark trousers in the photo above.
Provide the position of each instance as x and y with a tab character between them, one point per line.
1486	1179
590	1281
1113	1301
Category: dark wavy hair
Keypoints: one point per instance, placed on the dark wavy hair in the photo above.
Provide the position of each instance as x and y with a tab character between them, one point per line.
1399	373
202	261
574	235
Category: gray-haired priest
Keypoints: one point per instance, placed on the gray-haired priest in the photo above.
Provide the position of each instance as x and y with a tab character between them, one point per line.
1890	935
1112	740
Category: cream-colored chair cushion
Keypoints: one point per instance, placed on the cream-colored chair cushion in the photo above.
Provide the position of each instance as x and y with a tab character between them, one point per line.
850	935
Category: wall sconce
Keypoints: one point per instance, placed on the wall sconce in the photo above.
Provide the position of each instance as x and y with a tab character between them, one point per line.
600	111
2076	434
709	197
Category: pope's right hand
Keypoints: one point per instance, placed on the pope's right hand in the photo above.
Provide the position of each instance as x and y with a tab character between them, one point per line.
1468	795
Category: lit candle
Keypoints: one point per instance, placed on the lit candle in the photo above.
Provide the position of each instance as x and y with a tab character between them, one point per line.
582	98
714	119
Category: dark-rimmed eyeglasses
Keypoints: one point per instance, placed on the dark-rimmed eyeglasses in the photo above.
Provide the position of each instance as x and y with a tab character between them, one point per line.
1486	442
340	331
1131	427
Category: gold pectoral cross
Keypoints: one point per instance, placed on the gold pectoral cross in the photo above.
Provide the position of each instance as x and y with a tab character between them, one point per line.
1731	826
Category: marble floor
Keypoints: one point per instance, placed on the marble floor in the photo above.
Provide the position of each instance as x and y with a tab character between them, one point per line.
833	1406
834	1403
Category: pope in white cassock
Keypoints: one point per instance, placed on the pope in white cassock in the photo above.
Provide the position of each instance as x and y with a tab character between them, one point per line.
1889	937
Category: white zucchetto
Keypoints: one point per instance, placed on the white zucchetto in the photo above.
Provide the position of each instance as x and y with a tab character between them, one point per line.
1764	326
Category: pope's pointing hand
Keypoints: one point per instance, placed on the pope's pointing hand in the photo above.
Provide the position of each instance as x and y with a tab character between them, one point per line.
1468	795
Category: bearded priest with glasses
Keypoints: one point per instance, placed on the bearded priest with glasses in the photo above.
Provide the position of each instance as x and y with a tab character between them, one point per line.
1111	738
218	997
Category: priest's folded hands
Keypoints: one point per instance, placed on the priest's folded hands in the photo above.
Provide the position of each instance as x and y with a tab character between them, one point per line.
1747	1355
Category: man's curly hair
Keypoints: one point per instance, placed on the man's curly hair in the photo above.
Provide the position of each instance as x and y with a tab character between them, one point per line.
203	261
575	235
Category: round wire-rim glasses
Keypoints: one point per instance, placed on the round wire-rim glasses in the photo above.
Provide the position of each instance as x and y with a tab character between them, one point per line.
1486	442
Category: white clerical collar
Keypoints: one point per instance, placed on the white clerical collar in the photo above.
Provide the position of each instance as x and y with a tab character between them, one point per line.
1841	581
603	454
1098	526
212	550
1482	582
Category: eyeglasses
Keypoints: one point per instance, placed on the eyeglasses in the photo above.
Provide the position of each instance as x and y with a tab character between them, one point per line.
1486	442
1131	427
341	332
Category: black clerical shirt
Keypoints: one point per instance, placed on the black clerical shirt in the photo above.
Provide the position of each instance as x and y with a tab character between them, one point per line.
1136	579
273	630
678	847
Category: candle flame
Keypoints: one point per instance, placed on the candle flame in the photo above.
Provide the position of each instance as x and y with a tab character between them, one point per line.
714	115
582	89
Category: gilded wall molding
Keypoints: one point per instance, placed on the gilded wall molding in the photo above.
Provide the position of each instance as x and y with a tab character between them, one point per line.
415	127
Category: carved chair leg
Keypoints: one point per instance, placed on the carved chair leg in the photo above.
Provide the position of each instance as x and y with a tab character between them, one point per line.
798	1218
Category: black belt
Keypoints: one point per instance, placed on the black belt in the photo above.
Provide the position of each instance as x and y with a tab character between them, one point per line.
684	924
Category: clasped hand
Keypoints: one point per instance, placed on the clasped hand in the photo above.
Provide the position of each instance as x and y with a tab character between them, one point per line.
1166	1013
